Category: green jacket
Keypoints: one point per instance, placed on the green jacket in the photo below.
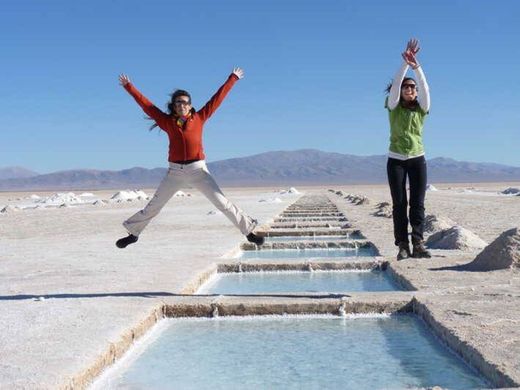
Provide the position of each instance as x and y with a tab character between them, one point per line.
406	130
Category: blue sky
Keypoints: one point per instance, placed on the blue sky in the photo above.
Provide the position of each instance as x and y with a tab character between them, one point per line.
315	74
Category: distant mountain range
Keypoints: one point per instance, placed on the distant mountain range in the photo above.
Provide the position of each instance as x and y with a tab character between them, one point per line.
16	173
300	167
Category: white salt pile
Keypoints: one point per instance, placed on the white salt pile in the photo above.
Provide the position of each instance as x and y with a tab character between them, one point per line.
434	224
34	197
86	195
503	253
181	194
290	191
60	198
511	191
363	200
383	209
9	209
455	237
128	196
431	187
357	199
99	203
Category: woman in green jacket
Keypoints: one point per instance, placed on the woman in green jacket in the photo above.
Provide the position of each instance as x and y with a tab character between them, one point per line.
408	104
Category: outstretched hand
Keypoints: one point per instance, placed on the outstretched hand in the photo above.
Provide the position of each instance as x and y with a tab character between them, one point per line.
413	46
409	55
123	79
239	72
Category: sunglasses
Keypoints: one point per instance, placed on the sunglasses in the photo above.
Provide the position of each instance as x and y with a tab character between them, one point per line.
404	86
182	102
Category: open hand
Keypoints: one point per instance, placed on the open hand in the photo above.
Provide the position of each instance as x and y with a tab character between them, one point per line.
239	72
123	79
413	46
409	55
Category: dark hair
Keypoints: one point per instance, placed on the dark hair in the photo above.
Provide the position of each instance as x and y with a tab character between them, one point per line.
171	104
412	105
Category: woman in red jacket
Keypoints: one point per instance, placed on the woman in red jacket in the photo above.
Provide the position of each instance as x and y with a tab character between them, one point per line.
187	168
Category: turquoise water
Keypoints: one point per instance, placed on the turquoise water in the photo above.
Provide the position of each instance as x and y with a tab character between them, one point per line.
309	282
396	352
282	254
352	236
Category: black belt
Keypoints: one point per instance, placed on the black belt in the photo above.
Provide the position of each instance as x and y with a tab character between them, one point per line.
186	162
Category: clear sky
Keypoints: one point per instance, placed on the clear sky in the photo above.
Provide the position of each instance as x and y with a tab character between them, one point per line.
315	75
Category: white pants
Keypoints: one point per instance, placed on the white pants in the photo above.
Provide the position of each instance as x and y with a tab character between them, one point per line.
190	175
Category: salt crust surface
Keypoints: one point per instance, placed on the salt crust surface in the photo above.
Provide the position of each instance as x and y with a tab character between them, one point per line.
66	288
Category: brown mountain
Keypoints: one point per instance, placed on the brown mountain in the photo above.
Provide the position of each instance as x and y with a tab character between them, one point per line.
285	168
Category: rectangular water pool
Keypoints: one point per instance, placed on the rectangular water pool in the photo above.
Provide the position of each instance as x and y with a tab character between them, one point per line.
318	253
304	352
298	281
353	236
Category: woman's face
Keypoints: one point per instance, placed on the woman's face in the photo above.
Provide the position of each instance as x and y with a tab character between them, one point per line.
182	105
409	91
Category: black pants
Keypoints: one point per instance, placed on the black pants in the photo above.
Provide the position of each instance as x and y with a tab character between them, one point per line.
397	170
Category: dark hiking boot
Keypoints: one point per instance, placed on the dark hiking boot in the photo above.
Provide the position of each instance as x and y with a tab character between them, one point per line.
404	251
252	237
420	252
125	241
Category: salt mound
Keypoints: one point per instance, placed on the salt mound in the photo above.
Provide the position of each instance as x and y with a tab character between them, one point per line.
141	194
60	198
128	196
99	203
123	196
86	194
434	224
455	238
357	199
291	191
503	253
431	187
363	200
511	191
181	194
9	209
383	210
34	197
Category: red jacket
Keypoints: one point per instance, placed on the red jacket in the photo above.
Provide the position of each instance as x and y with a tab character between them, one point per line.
186	141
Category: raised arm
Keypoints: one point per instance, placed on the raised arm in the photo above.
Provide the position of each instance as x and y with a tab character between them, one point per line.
148	107
410	57
395	90
211	106
423	92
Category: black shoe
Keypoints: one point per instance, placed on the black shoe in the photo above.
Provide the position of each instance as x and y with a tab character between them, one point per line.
252	237
125	241
420	252
404	251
